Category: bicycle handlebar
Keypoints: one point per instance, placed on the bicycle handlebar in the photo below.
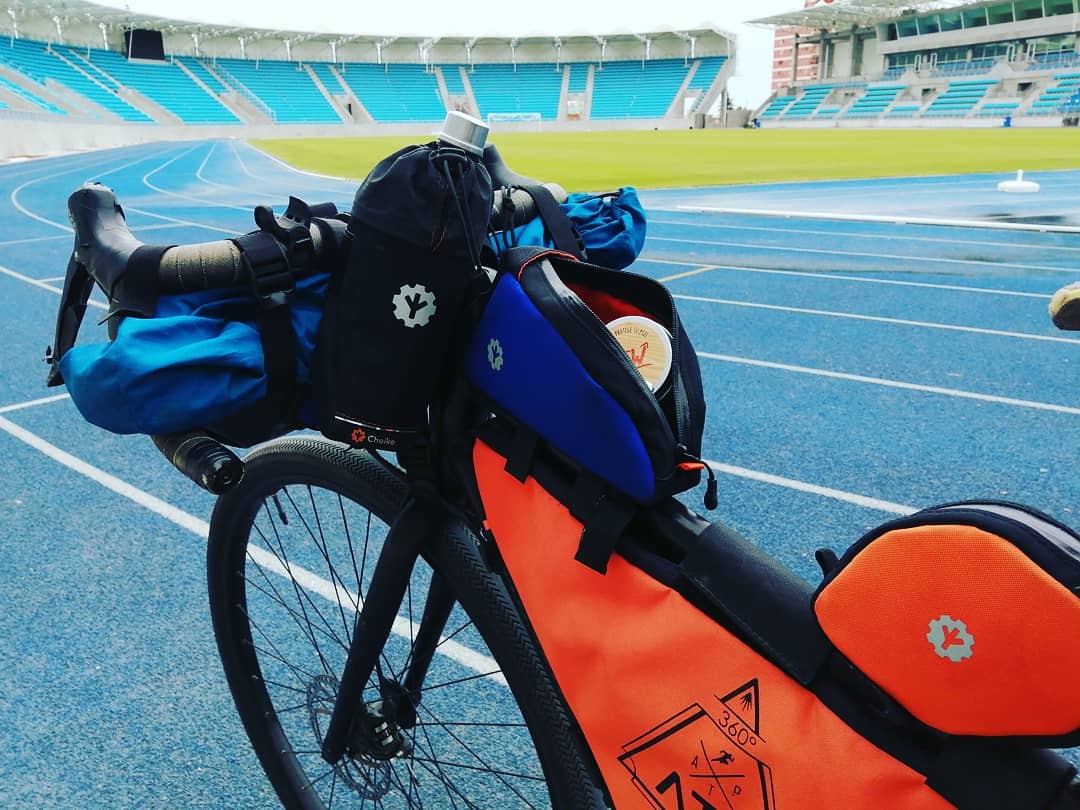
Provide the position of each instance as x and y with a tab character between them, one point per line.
302	238
104	244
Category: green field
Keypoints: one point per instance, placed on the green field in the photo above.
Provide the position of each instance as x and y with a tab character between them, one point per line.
658	159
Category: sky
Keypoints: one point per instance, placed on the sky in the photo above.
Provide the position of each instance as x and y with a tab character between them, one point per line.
749	87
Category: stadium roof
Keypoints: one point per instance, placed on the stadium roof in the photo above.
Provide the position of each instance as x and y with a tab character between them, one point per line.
70	12
835	14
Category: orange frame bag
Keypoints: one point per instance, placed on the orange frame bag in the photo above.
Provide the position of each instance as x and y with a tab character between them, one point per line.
704	675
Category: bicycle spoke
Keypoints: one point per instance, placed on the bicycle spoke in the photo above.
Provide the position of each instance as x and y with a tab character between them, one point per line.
303	591
320	543
478	758
284	560
276	597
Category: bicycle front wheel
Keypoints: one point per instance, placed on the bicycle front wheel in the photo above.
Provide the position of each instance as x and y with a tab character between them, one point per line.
291	554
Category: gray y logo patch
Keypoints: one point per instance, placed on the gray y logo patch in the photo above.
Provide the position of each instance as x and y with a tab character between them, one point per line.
951	639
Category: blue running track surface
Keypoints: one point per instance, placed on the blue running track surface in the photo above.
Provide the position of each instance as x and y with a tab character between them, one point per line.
855	370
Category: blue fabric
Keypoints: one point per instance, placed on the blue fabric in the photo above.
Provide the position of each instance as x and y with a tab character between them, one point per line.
517	358
198	360
611	226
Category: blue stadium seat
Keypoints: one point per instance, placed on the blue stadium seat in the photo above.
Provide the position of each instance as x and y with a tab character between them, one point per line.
26	95
579	77
451	74
38	61
395	93
164	84
325	75
959	98
524	88
636	89
284	87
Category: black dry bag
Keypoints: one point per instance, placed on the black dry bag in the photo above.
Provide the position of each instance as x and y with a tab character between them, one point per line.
417	224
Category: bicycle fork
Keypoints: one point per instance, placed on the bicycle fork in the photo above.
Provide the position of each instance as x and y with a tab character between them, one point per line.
375	729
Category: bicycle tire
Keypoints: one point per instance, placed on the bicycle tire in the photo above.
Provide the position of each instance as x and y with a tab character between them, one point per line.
257	665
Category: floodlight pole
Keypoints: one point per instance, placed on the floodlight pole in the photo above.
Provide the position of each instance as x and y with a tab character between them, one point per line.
14	21
59	31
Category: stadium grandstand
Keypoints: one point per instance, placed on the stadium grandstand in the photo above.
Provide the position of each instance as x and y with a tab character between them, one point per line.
901	63
75	75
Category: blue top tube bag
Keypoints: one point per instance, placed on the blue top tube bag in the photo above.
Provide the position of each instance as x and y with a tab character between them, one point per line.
543	357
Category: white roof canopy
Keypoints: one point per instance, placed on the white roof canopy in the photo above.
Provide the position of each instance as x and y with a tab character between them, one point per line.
846	13
69	13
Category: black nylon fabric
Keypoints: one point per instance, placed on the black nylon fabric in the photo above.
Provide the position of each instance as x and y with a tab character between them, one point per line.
407	196
395	311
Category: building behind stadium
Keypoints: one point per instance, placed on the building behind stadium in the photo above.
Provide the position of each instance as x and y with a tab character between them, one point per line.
899	63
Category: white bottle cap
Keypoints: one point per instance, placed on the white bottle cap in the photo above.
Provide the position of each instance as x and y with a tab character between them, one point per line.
648	345
464	131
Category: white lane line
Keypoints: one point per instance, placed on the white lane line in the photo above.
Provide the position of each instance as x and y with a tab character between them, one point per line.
14	196
185	222
34	403
311	581
929	389
35	239
897	219
698	270
61	236
9	272
864	235
814	489
864	255
199	171
189	197
293	169
252	192
877	319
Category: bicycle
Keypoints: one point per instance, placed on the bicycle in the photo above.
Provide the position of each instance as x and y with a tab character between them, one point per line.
365	626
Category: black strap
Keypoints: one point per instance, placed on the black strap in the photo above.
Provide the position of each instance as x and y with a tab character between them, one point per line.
519	461
136	293
272	281
604	514
562	230
988	775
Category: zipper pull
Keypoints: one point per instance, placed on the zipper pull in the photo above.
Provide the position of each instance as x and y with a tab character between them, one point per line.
692	462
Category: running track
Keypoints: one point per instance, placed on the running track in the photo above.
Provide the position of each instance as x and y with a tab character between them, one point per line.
854	371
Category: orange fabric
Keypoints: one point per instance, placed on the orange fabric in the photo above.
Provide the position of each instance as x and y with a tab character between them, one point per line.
1011	626
677	711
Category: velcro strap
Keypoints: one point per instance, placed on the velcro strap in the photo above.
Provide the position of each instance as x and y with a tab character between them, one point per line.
556	222
271	282
604	514
519	461
136	292
271	276
602	531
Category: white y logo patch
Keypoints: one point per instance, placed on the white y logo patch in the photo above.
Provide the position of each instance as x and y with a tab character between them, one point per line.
414	305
